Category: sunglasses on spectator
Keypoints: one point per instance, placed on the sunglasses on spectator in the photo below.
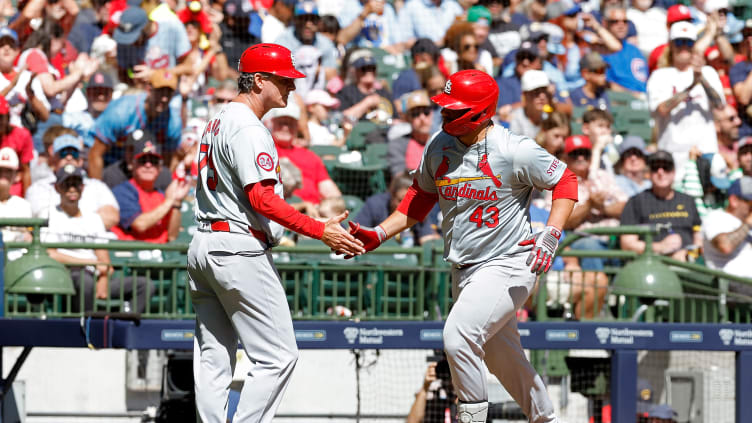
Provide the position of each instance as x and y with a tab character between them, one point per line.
526	56
600	71
72	182
417	111
723	11
308	18
468	47
616	21
366	69
222	100
584	152
538	91
684	42
148	158
69	151
666	166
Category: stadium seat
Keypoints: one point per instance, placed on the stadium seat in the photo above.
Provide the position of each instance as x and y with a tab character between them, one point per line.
628	121
327	152
356	140
359	180
389	65
622	99
575	125
375	154
353	204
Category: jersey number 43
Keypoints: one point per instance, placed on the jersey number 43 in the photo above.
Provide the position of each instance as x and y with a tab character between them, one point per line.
205	156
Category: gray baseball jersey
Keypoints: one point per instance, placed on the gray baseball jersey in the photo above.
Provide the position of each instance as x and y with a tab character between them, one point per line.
236	150
484	191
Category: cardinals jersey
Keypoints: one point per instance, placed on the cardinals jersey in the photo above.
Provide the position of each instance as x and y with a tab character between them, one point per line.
236	150
484	191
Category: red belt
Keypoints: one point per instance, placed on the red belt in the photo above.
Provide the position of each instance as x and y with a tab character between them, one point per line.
224	226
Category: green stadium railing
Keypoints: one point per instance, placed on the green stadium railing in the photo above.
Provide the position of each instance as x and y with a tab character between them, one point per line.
389	283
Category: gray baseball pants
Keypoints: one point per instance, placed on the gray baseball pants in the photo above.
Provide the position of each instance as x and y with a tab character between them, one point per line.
482	325
238	295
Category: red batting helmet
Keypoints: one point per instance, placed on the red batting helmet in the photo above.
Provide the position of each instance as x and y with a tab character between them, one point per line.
468	89
269	58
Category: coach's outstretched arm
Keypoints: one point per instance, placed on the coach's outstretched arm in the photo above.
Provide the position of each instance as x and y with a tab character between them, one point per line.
262	198
413	209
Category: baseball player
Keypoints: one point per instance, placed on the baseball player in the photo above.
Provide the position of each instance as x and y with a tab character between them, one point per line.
235	288
483	176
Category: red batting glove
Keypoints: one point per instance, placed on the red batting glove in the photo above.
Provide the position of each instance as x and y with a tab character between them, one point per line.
371	237
544	245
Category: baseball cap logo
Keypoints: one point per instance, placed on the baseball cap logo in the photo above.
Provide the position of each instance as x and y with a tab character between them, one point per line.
126	26
448	88
148	147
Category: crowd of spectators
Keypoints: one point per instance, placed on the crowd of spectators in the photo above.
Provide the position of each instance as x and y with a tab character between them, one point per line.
122	91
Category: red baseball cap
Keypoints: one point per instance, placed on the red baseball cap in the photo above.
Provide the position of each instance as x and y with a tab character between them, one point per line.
576	142
676	13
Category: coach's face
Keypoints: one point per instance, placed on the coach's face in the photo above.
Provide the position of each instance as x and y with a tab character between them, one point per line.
275	90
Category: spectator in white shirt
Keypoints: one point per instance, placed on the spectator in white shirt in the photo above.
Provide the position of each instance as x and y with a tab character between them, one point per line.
682	98
727	242
97	198
90	269
11	205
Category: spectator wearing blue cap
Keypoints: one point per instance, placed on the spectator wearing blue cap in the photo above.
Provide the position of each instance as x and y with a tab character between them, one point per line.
727	242
427	19
370	23
304	31
365	93
145	45
64	148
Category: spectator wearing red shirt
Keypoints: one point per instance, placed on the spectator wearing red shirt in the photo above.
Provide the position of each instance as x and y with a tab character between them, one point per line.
317	184
19	139
147	214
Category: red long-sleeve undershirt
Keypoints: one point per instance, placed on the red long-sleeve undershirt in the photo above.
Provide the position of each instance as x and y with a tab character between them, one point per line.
265	201
417	203
566	187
